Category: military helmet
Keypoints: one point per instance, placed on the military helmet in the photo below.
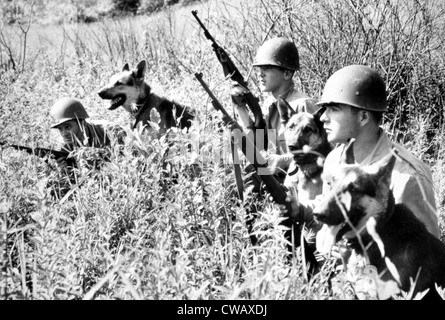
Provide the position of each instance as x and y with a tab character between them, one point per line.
67	109
358	86
279	52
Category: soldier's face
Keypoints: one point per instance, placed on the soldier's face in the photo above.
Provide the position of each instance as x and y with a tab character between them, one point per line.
70	132
341	123
270	78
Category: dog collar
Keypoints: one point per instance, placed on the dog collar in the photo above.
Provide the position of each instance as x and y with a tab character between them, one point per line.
293	168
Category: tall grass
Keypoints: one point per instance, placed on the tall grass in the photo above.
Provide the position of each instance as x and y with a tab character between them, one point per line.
135	231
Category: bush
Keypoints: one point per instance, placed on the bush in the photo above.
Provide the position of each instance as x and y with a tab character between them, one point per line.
126	6
136	231
149	6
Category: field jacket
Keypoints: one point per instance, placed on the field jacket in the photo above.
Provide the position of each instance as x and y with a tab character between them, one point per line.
409	178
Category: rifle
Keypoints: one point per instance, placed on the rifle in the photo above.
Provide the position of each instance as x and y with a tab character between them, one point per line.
42	152
229	68
275	189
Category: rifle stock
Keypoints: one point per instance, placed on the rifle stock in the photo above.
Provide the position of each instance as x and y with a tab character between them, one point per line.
231	70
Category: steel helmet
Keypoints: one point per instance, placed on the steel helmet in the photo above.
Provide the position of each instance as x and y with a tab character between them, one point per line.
279	52
67	109
358	86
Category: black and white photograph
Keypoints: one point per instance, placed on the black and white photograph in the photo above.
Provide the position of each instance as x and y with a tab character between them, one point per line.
222	158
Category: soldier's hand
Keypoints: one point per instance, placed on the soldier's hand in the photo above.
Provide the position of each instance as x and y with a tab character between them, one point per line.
341	253
292	199
237	93
278	163
272	162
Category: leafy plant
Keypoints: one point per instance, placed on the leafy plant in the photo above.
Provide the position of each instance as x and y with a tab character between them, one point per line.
161	219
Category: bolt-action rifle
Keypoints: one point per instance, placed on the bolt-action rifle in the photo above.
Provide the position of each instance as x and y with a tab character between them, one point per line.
275	189
231	70
42	152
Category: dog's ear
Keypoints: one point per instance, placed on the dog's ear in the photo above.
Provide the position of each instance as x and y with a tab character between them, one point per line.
383	169
317	115
139	71
347	156
319	124
387	164
284	109
126	67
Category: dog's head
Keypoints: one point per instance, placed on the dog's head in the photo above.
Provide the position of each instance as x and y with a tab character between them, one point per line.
357	193
305	129
125	88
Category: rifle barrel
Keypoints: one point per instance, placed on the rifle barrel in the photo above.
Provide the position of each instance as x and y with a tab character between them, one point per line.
233	72
40	152
206	32
215	101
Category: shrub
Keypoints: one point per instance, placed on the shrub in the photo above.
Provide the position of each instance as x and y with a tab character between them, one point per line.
126	6
141	230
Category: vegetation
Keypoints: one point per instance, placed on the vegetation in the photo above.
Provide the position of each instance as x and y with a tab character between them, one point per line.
138	229
87	11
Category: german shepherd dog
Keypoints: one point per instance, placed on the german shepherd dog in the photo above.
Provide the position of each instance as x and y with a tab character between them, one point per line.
129	90
360	209
307	141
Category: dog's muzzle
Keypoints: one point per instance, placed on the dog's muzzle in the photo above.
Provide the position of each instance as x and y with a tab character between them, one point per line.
116	101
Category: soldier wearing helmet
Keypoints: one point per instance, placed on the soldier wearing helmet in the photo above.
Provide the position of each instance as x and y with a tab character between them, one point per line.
351	108
276	61
70	118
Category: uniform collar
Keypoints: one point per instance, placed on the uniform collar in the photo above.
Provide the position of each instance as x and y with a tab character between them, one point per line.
380	150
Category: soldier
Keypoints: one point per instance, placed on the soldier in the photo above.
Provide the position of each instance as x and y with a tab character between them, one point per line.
277	61
70	118
352	108
89	140
354	99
